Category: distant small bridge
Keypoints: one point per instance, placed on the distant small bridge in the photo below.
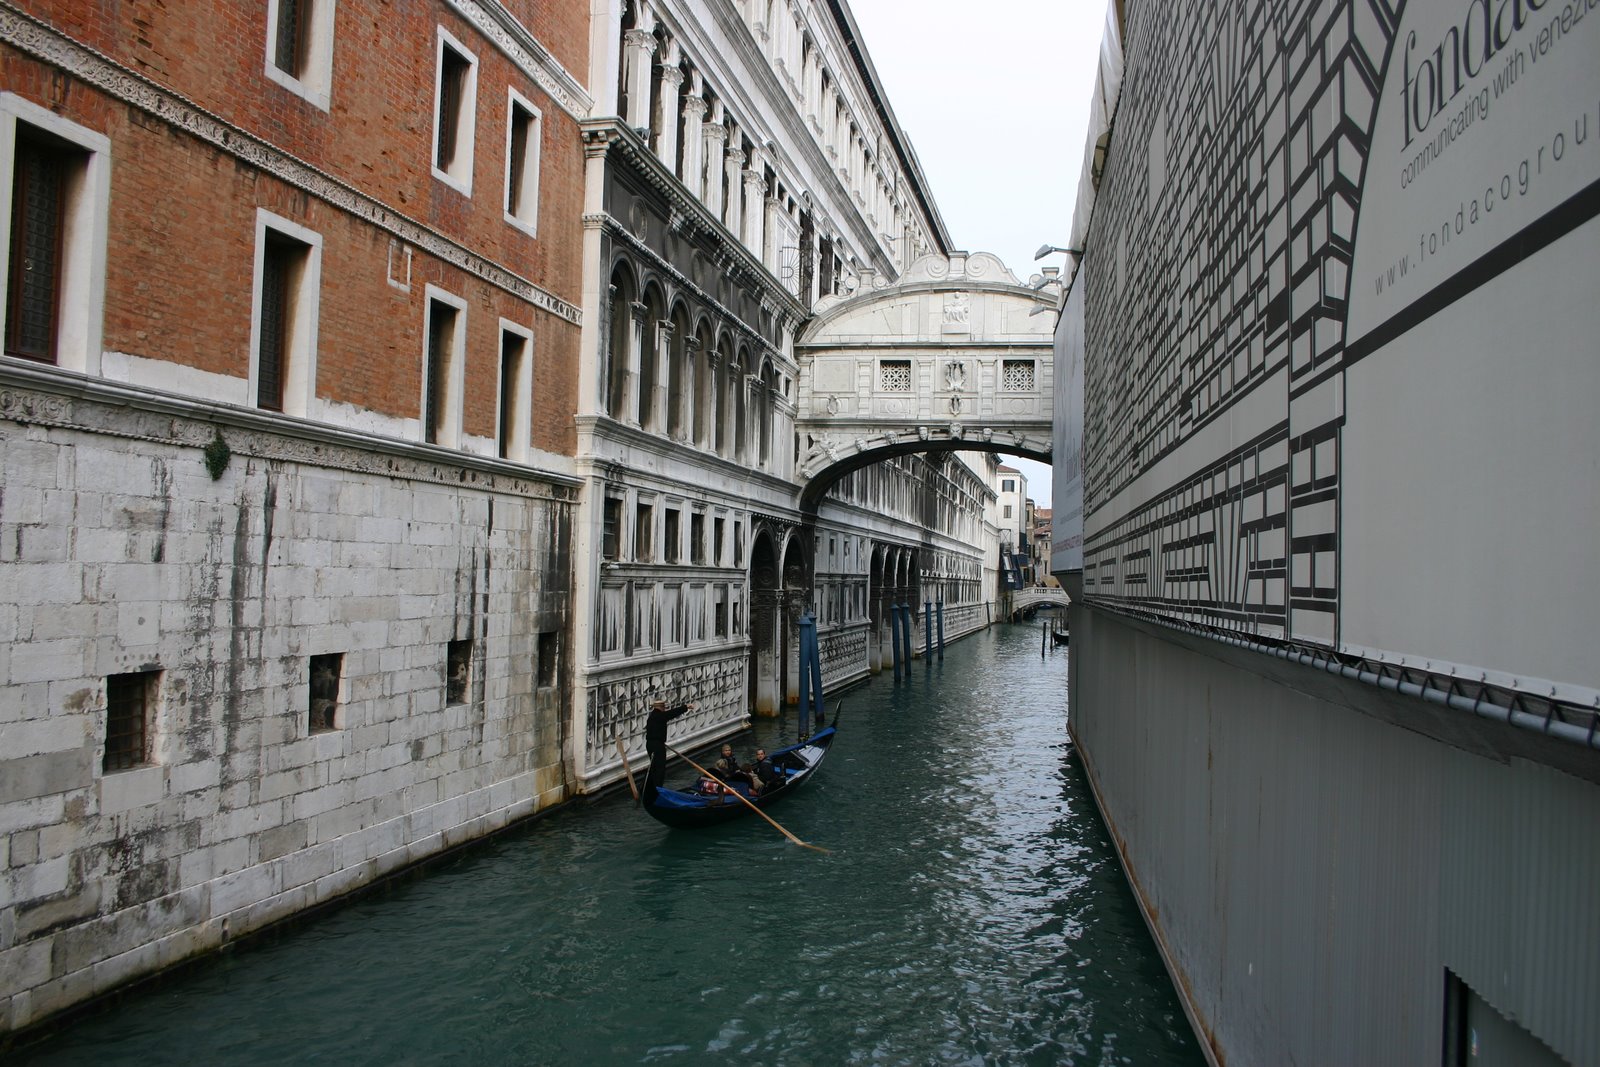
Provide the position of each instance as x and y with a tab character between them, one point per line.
1039	596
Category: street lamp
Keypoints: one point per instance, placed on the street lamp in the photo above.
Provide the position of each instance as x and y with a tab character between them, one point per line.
1045	250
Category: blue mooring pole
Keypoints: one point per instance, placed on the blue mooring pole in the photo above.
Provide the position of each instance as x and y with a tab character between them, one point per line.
905	633
808	640
927	632
941	629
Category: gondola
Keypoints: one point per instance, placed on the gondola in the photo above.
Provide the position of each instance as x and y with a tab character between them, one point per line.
1061	637
689	806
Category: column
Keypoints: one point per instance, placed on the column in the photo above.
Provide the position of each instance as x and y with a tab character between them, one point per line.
755	207
638	48
715	134
734	167
666	117
694	113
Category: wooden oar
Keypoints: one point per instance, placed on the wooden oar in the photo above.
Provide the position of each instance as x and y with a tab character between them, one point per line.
629	771
746	801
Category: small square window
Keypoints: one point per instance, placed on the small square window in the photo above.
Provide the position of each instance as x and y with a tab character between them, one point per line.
894	375
1016	375
458	671
549	653
130	707
327	671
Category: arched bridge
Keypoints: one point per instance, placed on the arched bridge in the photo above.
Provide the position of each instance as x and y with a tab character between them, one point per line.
954	356
1039	596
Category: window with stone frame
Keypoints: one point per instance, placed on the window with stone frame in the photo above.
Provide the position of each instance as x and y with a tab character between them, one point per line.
286	309
1017	375
455	107
671	535
644	521
894	375
300	47
718	524
130	712
611	529
516	393
523	126
697	538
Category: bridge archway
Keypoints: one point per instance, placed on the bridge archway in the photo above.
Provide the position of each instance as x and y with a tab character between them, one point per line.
955	356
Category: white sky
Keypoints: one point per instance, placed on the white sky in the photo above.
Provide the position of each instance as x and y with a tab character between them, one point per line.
994	95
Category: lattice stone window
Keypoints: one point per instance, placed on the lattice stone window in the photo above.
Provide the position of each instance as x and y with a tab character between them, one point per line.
894	375
1016	375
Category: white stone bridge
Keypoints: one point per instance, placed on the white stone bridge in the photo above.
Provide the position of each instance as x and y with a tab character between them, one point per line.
1039	596
955	356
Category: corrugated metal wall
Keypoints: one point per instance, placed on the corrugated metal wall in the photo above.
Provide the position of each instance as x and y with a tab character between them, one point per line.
1312	869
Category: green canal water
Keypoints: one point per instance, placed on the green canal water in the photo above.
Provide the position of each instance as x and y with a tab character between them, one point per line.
971	911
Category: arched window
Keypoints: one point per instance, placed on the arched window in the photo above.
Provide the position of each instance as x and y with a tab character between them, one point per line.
765	401
650	359
619	343
705	415
741	390
680	376
724	414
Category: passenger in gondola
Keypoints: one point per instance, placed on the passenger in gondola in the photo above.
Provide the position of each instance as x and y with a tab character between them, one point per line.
764	775
727	766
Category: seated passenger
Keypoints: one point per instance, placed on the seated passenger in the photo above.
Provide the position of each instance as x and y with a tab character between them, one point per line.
765	774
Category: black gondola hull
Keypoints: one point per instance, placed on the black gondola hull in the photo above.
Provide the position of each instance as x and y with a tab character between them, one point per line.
688	808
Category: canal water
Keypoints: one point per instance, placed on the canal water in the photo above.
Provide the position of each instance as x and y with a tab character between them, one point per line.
970	911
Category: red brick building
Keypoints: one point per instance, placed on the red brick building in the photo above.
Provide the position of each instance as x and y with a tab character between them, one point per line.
291	338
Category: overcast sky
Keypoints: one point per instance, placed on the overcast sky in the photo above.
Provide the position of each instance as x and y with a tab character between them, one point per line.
994	95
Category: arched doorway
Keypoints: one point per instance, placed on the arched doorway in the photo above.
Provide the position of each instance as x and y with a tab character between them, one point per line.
793	599
766	629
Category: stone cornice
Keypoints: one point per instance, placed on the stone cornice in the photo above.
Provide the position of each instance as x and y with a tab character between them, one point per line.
501	28
38	395
108	76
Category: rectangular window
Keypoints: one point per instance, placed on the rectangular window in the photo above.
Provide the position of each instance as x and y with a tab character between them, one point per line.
300	47
1008	485
457	671
716	541
455	105
442	368
738	543
53	264
523	137
644	521
670	535
549	653
516	392
611	534
327	671
288	267
130	705
719	611
697	538
1007	514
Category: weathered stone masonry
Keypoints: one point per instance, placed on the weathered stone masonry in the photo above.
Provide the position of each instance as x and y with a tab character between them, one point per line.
112	529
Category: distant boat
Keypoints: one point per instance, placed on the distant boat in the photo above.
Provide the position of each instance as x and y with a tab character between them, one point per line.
690	806
1061	637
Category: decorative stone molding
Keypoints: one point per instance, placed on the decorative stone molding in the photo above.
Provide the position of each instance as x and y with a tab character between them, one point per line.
46	397
117	81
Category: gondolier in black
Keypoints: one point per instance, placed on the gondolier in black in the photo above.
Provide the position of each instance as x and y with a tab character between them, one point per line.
655	741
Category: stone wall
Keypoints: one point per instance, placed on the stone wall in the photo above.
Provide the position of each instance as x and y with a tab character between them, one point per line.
251	800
